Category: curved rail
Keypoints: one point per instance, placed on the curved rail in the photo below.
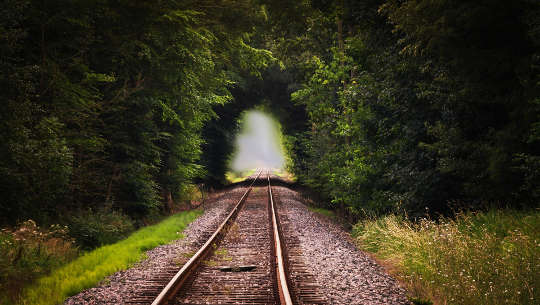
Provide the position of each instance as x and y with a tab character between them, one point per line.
181	276
284	295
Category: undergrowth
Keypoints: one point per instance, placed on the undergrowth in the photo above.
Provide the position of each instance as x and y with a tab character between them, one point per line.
27	252
94	266
92	229
326	212
477	258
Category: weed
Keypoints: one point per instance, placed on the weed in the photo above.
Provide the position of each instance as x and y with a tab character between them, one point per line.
223	254
476	258
180	261
210	263
218	256
420	301
189	254
28	252
227	289
92	267
233	233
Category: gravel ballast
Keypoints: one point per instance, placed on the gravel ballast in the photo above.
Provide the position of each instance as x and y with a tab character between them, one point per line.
122	286
345	275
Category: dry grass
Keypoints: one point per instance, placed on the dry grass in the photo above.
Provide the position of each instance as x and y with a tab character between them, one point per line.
27	252
477	258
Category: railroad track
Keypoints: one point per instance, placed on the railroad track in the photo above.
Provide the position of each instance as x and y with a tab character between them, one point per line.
244	261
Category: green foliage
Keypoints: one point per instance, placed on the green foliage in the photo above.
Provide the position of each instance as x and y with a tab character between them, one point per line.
94	266
414	106
36	167
28	252
477	258
103	106
322	211
93	229
421	301
104	102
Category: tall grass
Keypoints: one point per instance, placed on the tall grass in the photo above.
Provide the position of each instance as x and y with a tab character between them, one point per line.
28	252
92	267
476	258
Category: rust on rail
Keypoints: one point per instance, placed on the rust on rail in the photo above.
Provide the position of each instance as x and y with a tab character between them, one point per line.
181	276
284	294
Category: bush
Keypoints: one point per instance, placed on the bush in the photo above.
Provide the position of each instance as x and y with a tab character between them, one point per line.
477	258
28	252
105	226
94	266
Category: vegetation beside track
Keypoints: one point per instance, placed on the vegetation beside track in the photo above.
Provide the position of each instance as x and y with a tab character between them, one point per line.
94	266
477	258
326	212
234	177
29	251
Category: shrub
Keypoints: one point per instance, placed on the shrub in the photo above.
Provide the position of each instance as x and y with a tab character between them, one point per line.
477	258
27	252
94	266
92	229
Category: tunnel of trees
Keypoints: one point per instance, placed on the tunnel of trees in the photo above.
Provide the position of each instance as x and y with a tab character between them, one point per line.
117	108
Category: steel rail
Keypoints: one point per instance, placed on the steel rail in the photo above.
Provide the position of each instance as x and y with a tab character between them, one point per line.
174	285
284	294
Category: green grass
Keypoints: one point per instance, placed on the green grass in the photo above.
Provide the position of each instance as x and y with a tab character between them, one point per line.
28	252
94	266
234	177
284	174
476	258
325	212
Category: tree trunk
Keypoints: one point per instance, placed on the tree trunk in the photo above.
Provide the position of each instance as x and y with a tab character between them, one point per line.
115	175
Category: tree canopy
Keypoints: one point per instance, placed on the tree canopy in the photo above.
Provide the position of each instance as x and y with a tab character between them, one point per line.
103	102
421	106
387	105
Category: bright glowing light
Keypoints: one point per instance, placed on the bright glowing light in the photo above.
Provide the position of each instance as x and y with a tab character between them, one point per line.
258	143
